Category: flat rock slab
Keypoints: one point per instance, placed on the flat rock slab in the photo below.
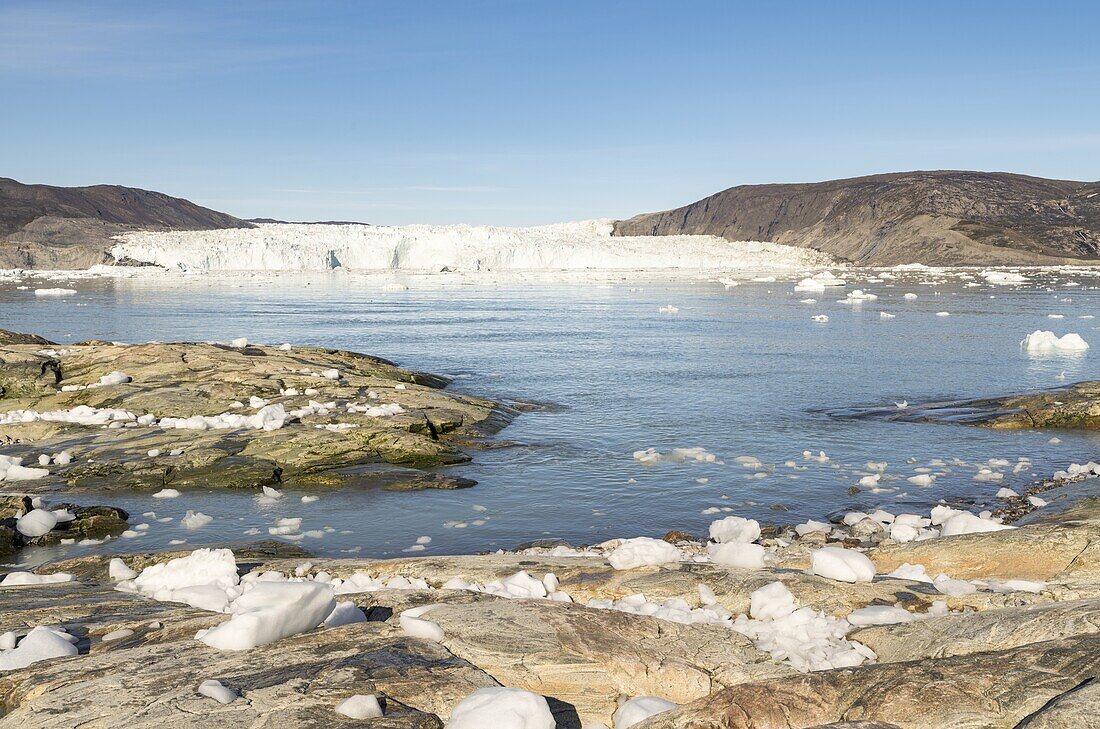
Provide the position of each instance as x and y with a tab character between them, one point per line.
992	690
965	633
589	658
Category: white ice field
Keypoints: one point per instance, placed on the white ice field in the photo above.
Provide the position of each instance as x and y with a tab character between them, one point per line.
581	245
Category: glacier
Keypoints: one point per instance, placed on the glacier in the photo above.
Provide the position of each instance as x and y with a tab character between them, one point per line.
580	245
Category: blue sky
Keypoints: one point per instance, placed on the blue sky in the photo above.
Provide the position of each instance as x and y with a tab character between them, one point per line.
533	112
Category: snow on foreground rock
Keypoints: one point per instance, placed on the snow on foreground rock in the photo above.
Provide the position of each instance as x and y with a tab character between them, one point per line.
264	607
576	245
501	708
808	639
40	644
643	551
640	708
841	564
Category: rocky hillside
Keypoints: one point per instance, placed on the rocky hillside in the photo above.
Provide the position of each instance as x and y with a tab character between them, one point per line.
42	226
942	217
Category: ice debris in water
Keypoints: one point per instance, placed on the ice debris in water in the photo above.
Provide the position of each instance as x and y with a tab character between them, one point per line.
501	708
639	708
858	296
1046	341
819	282
676	455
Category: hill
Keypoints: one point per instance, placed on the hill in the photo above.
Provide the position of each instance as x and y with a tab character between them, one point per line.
936	218
42	226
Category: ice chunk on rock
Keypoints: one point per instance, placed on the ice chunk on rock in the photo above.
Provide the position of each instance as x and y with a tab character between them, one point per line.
643	551
218	691
118	571
771	602
844	565
735	529
737	554
41	644
501	708
360	706
36	522
640	708
270	611
967	523
880	615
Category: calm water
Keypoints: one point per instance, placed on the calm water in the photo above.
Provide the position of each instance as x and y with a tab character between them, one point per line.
737	372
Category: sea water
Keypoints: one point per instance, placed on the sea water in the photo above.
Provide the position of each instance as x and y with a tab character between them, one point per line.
730	371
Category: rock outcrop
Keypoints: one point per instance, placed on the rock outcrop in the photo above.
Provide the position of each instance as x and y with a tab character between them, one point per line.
936	218
1015	659
303	417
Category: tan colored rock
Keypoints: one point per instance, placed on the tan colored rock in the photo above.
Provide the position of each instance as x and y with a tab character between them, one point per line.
992	691
966	633
1075	709
588	658
1065	546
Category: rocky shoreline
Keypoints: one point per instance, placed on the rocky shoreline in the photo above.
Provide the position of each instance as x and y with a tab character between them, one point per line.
944	619
1010	641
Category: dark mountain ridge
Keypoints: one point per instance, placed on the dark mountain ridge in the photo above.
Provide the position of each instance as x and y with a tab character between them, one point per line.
941	217
43	226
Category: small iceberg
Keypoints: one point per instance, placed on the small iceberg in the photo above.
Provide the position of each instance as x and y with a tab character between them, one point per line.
1046	341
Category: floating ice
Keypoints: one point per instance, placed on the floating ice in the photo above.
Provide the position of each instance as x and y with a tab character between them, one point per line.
1002	277
54	292
819	282
676	455
195	520
1046	341
858	296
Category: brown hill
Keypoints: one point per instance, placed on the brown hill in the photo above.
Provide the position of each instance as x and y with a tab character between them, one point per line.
42	226
942	218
